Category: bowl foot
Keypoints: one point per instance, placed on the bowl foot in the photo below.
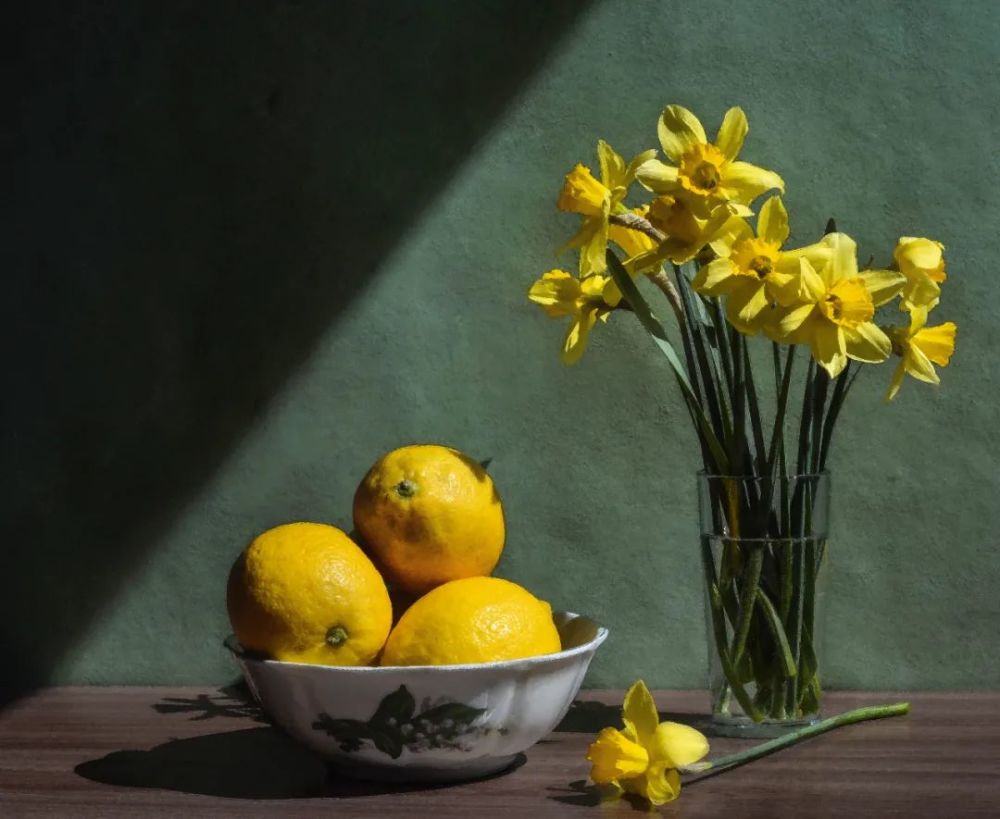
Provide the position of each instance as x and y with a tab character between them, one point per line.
429	774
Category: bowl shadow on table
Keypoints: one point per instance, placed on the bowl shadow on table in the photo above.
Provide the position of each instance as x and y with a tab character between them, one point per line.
247	763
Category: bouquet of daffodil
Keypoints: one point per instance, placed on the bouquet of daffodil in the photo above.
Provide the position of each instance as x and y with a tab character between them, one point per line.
726	276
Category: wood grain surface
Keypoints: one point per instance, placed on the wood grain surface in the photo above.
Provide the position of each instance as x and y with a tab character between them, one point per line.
192	752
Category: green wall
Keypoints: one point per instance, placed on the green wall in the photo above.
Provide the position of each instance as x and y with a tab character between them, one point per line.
258	244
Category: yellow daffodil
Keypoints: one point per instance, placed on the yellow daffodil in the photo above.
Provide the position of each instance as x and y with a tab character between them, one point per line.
705	174
595	200
920	348
755	272
686	235
584	301
643	758
836	306
922	262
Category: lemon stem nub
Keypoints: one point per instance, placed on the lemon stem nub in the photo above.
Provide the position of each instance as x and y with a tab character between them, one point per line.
336	636
406	488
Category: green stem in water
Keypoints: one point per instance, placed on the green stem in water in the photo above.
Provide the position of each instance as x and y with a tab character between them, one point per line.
769	747
748	593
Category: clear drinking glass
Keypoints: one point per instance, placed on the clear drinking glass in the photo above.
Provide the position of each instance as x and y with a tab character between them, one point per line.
763	546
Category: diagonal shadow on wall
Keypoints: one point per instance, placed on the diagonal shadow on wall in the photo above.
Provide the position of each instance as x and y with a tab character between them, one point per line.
201	190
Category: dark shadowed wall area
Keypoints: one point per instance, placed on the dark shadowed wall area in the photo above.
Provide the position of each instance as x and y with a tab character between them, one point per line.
252	246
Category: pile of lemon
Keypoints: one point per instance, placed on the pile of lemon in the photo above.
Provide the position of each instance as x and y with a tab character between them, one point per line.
432	526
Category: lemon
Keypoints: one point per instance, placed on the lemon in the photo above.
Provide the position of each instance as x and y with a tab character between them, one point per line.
429	514
474	620
307	593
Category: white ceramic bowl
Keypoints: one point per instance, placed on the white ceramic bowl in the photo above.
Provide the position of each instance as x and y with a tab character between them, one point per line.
425	723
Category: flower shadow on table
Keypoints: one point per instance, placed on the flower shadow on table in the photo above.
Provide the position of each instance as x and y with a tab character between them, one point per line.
233	701
584	793
589	717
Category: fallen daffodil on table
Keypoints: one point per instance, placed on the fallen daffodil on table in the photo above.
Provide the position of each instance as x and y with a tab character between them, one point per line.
644	758
647	757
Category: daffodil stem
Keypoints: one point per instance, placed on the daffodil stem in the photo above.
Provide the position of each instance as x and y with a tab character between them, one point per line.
633	221
662	281
748	594
847	718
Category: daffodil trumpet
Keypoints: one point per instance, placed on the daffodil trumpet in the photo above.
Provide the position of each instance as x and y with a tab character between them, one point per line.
707	235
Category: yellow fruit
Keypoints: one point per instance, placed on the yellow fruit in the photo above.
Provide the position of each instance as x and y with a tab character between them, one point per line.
429	514
475	620
306	593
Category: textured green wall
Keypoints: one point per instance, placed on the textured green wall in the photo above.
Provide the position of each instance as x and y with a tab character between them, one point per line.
257	245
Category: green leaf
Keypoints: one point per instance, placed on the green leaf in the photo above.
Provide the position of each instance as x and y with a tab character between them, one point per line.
388	742
753	407
840	392
719	628
641	309
399	705
778	632
749	589
696	345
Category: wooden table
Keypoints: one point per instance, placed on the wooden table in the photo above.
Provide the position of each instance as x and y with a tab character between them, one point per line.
192	752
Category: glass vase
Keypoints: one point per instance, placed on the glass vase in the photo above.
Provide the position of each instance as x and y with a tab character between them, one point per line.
763	547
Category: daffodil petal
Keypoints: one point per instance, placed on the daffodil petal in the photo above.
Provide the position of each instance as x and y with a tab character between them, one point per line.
657	176
783	288
745	304
723	230
633	242
648	260
897	381
812	288
844	261
921	291
614	757
611	164
679	131
576	337
828	348
556	292
738	209
937	343
638	160
925	253
732	132
867	342
884	285
919	366
592	254
677	744
794	319
714	277
639	712
918	318
658	785
772	223
818	254
744	182
612	296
